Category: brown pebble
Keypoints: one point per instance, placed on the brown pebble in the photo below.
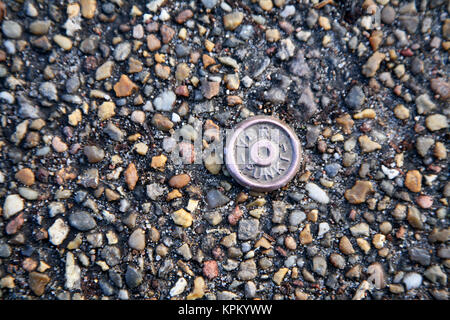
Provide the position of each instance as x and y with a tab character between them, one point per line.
15	224
358	193
167	33
183	16
210	269
235	216
413	181
153	43
346	123
131	176
124	87
346	246
159	162
37	282
179	181
210	89
305	235
26	176
58	145
161	122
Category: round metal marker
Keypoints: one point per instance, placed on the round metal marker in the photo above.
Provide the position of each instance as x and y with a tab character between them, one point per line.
263	153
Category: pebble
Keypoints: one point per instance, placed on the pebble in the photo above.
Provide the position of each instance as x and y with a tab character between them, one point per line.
232	20
125	87
248	229
13	204
137	240
58	232
424	104
413	180
436	122
420	255
159	162
39	27
104	71
182	218
133	277
210	89
179	181
178	288
346	246
88	8
63	42
355	98
38	282
316	193
305	235
440	87
358	193
412	280
131	176
165	101
114	132
215	199
388	15
373	64
161	122
94	154
11	29
210	269
122	51
82	221
25	176
367	145
199	289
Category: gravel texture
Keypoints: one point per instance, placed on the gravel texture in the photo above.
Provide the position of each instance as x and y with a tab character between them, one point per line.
93	206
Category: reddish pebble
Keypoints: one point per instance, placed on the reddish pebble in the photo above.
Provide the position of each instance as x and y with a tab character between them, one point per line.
424	202
14	225
406	52
235	216
210	269
58	145
182	91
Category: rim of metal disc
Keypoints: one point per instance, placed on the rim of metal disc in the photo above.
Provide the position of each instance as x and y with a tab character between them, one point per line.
263	186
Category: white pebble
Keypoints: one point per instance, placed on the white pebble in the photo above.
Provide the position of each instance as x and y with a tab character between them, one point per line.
412	280
316	193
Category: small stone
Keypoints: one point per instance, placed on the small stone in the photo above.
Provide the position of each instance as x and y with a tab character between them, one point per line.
316	193
122	51
183	16
131	176
179	181
159	162
167	33
182	218
373	64
63	42
388	15
162	71
25	176
401	112
137	240
346	246
420	255
165	101
319	265
441	87
94	154
210	269
124	87
161	122
104	71
355	98
37	282
415	218
247	270
210	89
425	202
378	240
424	104
58	145
58	232
423	145
365	114
412	280
106	110
279	275
358	193
413	180
199	289
440	151
216	198
346	123
248	229
11	29
436	275
232	20
324	22
40	27
13	204
75	117
82	221
232	81
305	235
133	277
273	35
367	145
153	43
436	122
114	132
88	8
